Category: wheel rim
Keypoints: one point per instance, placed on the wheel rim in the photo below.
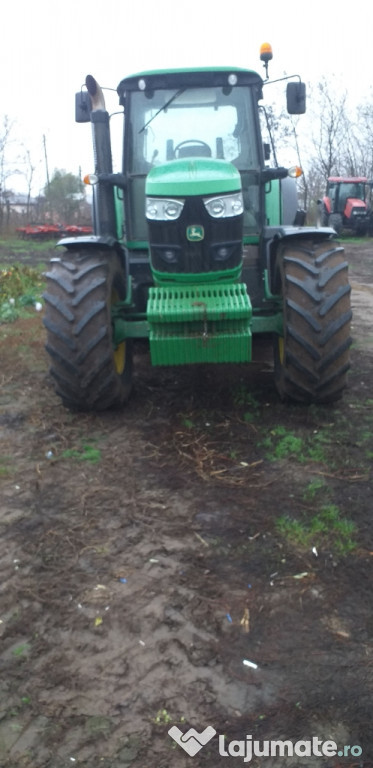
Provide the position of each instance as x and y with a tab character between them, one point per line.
281	348
119	352
120	357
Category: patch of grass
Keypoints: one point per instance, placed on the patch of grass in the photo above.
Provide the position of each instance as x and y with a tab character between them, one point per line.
164	718
26	246
8	312
20	281
21	650
316	453
86	453
326	529
314	488
243	397
20	288
364	437
188	423
347	237
316	445
293	530
289	445
5	468
282	444
364	440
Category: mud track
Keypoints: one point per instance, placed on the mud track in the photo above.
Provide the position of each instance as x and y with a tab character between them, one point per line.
141	562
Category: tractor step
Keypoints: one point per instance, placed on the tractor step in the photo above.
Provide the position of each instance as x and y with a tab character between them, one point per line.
199	324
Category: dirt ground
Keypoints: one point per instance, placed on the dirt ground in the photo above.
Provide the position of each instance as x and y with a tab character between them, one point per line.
141	562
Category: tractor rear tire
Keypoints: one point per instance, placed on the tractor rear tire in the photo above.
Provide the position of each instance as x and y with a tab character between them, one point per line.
336	222
312	356
82	288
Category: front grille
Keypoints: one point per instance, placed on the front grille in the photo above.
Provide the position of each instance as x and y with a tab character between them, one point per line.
171	251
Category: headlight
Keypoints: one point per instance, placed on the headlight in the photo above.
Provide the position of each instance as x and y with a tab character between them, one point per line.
224	206
163	209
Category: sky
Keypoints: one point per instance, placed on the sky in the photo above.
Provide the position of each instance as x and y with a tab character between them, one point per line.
47	48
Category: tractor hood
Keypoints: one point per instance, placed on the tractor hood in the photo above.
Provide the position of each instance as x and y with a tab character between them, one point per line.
197	176
354	203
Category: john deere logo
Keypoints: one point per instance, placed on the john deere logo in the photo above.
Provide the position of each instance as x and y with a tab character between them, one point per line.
195	233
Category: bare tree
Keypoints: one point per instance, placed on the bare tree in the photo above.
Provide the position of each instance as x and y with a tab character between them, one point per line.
365	116
338	146
331	129
5	131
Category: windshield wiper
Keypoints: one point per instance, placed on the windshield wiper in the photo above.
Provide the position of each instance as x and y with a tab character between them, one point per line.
167	104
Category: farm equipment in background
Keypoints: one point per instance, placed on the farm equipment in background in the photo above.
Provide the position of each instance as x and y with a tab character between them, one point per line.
195	247
50	231
345	205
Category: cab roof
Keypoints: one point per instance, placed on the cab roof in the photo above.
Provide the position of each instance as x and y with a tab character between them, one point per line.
348	179
188	78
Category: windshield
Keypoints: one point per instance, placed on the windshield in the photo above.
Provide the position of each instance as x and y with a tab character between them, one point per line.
164	125
193	122
351	189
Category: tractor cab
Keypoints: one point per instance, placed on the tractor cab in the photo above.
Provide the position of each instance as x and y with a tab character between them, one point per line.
345	204
182	127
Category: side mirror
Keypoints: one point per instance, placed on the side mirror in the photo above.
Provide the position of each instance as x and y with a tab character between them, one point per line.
82	107
270	174
296	98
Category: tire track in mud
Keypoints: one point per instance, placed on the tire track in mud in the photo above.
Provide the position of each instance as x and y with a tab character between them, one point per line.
123	584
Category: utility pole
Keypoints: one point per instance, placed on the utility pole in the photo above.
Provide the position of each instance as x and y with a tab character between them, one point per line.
46	168
46	158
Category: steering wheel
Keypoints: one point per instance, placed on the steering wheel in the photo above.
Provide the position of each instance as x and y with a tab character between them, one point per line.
192	142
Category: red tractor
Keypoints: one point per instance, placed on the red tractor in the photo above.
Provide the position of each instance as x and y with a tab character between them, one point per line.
345	204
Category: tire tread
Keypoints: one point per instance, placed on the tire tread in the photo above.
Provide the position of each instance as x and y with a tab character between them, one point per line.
79	331
317	315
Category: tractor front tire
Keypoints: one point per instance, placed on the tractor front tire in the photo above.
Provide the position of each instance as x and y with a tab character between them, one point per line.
82	288
312	355
361	230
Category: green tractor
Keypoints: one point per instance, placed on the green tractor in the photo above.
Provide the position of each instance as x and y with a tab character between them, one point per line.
196	247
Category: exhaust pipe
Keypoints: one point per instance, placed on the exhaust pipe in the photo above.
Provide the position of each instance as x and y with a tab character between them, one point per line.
96	93
104	218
